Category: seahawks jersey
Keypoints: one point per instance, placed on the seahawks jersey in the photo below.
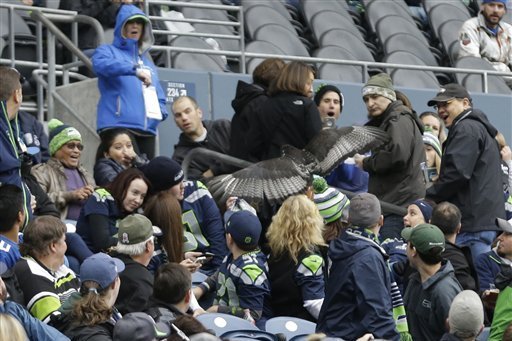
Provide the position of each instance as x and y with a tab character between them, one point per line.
242	285
202	222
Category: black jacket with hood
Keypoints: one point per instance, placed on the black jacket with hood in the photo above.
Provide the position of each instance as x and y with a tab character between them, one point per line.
247	104
395	169
470	176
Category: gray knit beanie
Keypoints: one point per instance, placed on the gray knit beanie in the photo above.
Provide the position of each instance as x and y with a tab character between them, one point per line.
381	85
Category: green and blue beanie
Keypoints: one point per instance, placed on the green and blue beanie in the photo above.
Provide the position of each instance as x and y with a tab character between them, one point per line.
60	134
331	203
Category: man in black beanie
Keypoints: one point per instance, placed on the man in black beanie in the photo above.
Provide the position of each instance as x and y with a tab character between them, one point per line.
395	169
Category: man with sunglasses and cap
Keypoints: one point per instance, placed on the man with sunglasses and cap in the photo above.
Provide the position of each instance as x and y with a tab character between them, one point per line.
470	168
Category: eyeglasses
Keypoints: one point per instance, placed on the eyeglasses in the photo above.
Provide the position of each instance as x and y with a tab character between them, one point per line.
73	145
442	104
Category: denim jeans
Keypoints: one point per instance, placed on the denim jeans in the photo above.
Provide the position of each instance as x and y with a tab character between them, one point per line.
478	242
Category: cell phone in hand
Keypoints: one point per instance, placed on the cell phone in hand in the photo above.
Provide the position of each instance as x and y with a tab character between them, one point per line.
208	254
201	260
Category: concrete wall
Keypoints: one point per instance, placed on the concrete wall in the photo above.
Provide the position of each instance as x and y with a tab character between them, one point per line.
214	92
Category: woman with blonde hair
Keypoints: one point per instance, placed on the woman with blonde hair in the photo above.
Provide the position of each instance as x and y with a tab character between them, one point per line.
296	259
11	329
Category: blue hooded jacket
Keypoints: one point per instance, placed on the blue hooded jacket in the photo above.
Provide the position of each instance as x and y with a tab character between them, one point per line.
121	103
358	291
10	164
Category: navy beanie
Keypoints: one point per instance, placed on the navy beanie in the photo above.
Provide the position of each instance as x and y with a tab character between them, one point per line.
163	173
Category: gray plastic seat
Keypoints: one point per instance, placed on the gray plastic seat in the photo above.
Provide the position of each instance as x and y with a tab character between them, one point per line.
282	37
276	5
195	61
258	16
473	82
20	26
225	44
410	78
345	39
195	42
449	37
311	7
409	43
377	10
415	79
444	13
430	4
324	21
257	46
338	72
393	24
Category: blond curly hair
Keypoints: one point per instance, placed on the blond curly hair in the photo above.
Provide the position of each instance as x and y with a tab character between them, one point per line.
296	227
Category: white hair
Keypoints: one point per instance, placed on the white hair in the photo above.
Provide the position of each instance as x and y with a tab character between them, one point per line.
134	249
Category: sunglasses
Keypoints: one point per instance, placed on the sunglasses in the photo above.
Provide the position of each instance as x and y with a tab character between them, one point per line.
73	145
443	104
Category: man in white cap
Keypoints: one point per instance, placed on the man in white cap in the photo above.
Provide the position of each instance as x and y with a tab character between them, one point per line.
465	318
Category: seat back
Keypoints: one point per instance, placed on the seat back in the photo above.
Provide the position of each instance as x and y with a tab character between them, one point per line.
258	16
473	82
409	43
249	335
223	323
393	24
289	326
343	38
258	46
282	37
324	21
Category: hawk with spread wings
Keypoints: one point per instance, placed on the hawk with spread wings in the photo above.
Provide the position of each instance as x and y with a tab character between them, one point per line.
276	179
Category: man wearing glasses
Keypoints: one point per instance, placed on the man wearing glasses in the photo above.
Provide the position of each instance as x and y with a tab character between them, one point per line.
470	175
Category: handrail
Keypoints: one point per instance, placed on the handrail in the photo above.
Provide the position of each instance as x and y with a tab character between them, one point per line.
203	152
37	75
244	54
45	19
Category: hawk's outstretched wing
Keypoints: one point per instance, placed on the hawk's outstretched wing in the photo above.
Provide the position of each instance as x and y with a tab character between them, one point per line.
274	179
331	146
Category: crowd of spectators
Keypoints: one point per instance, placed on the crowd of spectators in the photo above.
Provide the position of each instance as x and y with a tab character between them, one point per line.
136	235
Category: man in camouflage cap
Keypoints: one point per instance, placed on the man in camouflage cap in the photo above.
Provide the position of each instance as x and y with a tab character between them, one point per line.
395	169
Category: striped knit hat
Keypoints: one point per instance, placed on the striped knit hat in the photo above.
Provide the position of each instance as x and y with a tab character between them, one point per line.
381	85
432	140
331	203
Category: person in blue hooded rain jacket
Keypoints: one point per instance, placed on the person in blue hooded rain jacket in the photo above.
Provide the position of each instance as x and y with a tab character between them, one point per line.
125	71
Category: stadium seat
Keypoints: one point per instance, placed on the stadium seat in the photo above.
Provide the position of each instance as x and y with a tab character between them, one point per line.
249	335
276	5
282	37
324	21
449	37
198	278
473	82
407	42
393	24
410	78
289	326
195	61
223	323
187	41
311	7
444	13
257	16
430	4
339	72
224	43
345	39
377	10
257	46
